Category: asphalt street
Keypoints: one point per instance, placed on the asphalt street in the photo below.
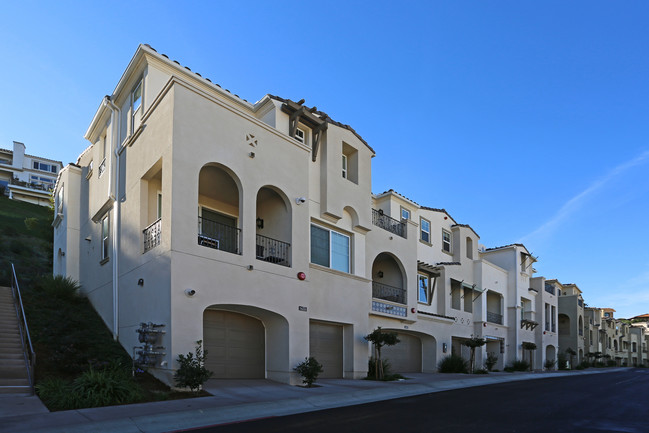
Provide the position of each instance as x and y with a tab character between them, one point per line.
615	402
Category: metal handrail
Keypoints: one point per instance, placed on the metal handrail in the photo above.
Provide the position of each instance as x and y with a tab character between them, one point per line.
152	235
15	290
388	293
388	223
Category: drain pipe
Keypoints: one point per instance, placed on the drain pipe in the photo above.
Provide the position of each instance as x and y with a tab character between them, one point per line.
114	194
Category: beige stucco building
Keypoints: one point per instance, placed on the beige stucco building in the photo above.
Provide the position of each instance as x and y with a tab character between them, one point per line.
252	227
27	177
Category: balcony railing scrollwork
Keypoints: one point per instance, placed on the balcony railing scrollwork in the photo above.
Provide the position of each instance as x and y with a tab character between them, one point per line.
388	293
152	235
219	236
273	251
388	223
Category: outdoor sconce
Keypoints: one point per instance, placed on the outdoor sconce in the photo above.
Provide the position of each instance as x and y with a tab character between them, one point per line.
140	282
260	223
444	347
380	274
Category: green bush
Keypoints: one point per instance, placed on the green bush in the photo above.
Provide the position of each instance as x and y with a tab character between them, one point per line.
519	365
309	369
562	361
453	364
610	363
192	373
94	388
64	288
481	371
387	370
549	364
492	360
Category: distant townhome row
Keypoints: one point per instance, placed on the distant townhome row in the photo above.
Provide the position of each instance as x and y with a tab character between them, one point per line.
252	227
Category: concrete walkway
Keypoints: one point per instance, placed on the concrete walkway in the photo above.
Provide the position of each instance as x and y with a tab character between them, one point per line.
240	400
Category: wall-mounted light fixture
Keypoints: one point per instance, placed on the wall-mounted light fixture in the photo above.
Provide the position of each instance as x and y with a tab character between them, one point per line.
140	282
260	223
380	274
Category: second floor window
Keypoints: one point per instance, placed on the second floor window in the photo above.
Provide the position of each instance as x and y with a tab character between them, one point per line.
405	214
136	103
330	248
424	288
446	241
44	167
425	230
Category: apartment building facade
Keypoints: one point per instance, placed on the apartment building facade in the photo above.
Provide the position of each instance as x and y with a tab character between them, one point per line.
252	227
27	177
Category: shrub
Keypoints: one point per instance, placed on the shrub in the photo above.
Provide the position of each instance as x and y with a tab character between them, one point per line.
583	365
549	364
453	364
64	288
481	371
32	223
192	373
610	363
309	369
55	393
519	365
492	360
108	387
387	370
562	361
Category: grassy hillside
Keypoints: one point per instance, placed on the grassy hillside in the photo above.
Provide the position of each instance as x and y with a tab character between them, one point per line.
78	364
25	240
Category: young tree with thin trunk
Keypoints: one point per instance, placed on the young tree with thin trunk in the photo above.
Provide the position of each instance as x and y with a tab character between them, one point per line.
472	343
530	347
379	339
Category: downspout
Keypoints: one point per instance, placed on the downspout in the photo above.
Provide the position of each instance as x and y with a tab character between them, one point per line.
114	194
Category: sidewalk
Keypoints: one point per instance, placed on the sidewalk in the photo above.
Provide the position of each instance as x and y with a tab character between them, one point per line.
239	400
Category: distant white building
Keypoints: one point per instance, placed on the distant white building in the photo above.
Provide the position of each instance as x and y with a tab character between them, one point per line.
26	177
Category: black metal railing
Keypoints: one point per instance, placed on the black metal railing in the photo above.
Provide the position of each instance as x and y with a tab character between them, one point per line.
549	288
388	223
547	326
388	293
219	236
152	235
273	251
22	325
494	318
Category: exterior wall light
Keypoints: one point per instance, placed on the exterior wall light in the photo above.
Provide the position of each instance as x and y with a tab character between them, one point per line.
140	282
380	274
260	223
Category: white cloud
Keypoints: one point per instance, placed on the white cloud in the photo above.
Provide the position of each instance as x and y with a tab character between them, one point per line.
572	205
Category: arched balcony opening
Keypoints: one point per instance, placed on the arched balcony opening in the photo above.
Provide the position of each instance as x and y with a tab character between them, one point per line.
564	325
273	225
388	279
219	211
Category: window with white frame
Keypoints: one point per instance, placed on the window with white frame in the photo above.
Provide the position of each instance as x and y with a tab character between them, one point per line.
59	200
423	290
424	226
300	135
446	241
330	248
44	166
405	214
344	166
105	237
136	103
350	163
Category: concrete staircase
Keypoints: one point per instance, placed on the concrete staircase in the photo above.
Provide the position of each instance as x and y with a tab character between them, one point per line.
14	375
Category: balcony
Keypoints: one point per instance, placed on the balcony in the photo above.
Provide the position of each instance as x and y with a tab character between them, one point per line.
273	251
581	332
494	318
39	186
152	235
388	223
219	236
388	293
549	288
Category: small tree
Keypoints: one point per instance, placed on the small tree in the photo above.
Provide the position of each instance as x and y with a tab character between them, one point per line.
309	369
192	373
570	352
379	339
530	347
472	343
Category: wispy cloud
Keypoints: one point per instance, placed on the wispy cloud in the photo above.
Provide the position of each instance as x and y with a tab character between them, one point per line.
576	202
629	298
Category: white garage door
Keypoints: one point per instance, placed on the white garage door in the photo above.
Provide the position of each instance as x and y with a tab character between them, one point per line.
326	346
405	356
235	345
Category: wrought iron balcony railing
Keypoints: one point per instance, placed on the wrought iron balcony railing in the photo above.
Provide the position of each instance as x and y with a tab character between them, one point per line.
219	236
494	318
388	223
152	235
273	251
388	293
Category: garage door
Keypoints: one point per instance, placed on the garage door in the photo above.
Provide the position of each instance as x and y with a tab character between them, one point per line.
326	346
235	345
405	356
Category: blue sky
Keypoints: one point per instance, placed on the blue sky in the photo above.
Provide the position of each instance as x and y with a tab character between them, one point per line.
526	120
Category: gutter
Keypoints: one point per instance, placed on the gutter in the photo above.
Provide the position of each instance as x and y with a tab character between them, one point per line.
113	193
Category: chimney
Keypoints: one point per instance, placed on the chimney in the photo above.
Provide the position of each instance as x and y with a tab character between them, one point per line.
19	155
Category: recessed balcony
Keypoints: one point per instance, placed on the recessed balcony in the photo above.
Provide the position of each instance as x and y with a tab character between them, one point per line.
220	236
385	222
